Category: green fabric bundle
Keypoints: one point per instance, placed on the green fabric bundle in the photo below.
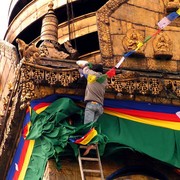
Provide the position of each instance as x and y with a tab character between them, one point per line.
51	131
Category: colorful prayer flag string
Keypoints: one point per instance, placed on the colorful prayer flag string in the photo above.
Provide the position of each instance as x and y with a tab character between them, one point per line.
161	24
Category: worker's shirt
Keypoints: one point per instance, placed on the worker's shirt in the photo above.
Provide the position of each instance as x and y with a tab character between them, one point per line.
94	90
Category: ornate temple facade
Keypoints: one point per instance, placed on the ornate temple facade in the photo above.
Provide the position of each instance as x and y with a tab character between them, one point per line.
45	38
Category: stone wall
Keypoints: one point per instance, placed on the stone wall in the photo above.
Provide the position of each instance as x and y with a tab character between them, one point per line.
8	62
119	21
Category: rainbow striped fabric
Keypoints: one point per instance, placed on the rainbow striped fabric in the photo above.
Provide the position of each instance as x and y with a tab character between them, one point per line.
25	147
152	129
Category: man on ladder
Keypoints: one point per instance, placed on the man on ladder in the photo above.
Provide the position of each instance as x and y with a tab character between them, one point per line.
94	98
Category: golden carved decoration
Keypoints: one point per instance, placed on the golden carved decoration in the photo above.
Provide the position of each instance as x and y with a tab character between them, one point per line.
10	86
29	53
155	86
9	123
48	49
48	44
103	15
33	75
36	62
5	102
127	82
162	45
73	52
6	99
144	85
172	5
34	70
176	88
42	91
49	30
131	39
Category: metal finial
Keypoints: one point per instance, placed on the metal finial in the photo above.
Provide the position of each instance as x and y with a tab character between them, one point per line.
50	5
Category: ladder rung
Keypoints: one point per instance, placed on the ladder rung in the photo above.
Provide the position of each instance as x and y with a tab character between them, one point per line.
97	159
91	170
84	147
89	159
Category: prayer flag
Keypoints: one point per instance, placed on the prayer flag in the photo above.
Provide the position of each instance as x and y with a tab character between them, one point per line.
91	78
139	45
111	73
102	78
120	62
147	39
178	114
129	53
178	11
163	22
81	63
87	137
157	32
172	16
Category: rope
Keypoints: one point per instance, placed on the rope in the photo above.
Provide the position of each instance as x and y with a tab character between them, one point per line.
70	18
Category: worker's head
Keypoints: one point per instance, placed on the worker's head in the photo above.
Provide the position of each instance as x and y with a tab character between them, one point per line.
98	68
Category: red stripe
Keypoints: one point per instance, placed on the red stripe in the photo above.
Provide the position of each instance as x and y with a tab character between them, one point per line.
40	105
147	114
25	131
21	160
82	138
28	109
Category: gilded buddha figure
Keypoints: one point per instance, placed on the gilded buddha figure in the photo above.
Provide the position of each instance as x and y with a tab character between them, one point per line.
162	46
131	40
172	5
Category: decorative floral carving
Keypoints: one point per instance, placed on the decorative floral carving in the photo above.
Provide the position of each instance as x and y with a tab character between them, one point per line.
155	86
103	15
142	86
176	87
32	76
49	49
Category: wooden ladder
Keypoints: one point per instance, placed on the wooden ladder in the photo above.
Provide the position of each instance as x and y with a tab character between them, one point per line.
90	159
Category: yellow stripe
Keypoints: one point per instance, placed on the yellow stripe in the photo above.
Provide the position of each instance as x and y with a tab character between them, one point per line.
178	11
153	122
28	127
89	137
26	160
30	149
38	111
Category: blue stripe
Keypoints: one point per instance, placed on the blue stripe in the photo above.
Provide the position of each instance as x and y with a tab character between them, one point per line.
16	158
126	104
144	106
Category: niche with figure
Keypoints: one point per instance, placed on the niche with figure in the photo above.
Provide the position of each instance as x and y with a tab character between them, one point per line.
131	40
162	45
172	5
